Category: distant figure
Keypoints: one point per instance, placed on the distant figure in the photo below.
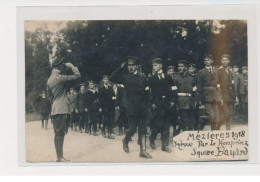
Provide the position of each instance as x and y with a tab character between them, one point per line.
81	107
107	99
72	103
44	108
92	106
60	103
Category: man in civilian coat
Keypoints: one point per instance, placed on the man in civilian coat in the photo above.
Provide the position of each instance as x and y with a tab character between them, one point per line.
135	85
60	108
107	106
228	90
92	106
208	90
44	108
163	97
81	107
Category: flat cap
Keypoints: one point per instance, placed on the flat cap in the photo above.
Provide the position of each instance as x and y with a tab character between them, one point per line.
244	67
208	56
184	62
226	56
192	65
157	61
170	68
90	81
235	66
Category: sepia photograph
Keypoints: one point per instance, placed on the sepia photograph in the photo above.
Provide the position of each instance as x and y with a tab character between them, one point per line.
111	91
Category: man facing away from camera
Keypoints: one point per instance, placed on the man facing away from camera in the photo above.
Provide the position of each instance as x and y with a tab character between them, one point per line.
137	103
60	104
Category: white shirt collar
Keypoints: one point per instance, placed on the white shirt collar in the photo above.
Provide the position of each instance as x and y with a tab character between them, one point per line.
160	71
208	67
135	72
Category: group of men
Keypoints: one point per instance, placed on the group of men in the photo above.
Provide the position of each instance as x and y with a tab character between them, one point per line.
160	99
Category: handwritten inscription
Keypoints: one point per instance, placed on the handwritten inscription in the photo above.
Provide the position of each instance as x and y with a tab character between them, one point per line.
212	145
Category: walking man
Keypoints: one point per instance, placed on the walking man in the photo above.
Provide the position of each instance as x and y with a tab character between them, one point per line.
162	99
208	90
60	107
136	87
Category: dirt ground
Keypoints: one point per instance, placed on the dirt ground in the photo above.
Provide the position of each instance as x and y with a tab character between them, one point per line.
82	147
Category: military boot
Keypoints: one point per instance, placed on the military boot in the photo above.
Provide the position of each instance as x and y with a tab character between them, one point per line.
125	144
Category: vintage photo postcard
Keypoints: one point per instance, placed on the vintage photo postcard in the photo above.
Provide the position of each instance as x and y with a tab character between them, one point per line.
136	90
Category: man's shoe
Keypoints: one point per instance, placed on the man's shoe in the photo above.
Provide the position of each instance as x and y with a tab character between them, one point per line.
125	146
64	160
144	154
166	149
110	136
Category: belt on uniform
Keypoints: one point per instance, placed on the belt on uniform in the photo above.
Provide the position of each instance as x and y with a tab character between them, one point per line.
184	94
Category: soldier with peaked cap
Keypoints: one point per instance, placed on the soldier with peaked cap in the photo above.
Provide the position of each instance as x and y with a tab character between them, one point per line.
174	114
228	91
92	106
208	90
81	107
162	99
107	106
137	103
60	108
186	93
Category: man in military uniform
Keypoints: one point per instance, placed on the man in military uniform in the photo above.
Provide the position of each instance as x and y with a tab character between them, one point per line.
186	91
238	82
81	107
174	114
92	106
244	93
162	99
60	108
135	86
192	70
228	90
208	90
107	106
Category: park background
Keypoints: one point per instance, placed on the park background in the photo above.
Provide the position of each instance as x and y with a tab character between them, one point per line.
99	47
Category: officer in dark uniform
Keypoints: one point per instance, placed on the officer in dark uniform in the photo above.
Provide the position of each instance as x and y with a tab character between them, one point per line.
137	98
60	108
228	90
107	106
208	90
162	99
186	91
92	106
81	107
174	114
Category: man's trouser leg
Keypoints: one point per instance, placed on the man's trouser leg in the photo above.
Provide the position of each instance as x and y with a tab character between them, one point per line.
81	120
132	125
165	131
59	126
228	113
212	114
